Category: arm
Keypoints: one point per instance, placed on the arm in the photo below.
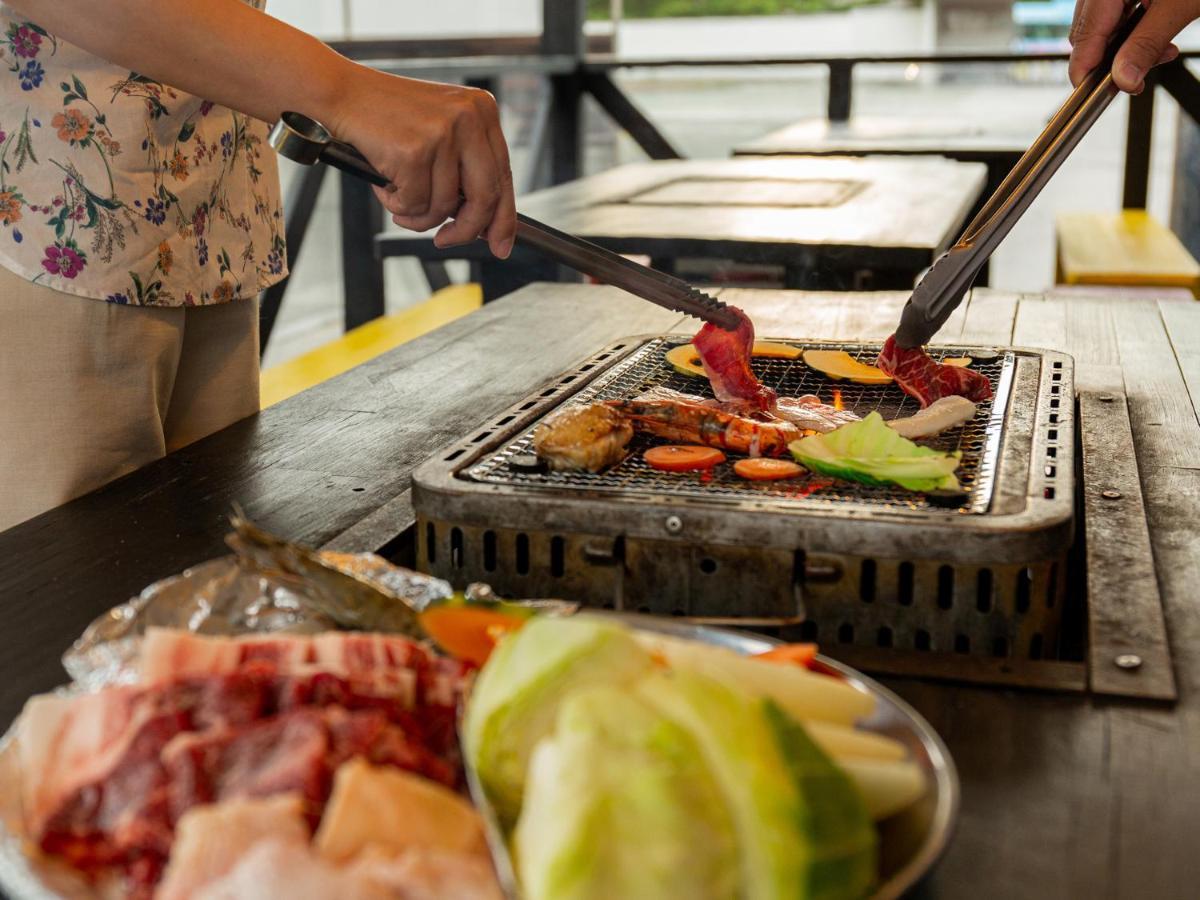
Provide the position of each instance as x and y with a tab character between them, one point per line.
434	141
1149	45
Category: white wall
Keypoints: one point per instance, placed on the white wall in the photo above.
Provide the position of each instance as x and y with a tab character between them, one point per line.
412	18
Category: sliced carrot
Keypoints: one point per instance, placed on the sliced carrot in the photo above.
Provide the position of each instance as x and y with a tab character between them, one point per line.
468	633
683	458
767	469
796	654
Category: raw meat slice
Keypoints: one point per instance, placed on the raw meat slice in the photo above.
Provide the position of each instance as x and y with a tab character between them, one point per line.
210	839
726	357
274	869
926	380
394	810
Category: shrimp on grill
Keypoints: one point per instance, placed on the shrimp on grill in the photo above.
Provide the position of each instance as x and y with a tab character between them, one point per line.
694	422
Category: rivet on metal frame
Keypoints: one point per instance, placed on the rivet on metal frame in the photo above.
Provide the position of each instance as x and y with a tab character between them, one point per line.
1111	494
1128	661
673	524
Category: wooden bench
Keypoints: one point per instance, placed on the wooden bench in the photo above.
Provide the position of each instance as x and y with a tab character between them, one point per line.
1128	248
367	341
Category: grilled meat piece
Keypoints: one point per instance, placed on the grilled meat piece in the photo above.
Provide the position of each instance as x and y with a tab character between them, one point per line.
583	438
726	358
920	377
940	415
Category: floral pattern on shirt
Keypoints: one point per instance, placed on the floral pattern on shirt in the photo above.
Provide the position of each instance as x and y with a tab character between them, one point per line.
116	186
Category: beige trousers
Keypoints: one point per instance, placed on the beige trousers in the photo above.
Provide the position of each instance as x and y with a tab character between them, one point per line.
90	391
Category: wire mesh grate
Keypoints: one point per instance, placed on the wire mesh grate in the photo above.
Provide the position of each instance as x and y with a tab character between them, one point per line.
646	367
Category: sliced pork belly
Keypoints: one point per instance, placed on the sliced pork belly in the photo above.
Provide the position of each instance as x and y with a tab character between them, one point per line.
211	839
272	869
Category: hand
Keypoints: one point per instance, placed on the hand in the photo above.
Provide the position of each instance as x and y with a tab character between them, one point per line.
1149	45
437	143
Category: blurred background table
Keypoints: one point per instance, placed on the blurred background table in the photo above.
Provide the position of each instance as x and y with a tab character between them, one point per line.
829	223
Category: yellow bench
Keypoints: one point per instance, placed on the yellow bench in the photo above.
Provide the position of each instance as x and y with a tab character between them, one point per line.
1128	248
367	341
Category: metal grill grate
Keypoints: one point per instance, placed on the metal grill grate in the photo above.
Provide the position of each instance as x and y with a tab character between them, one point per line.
978	440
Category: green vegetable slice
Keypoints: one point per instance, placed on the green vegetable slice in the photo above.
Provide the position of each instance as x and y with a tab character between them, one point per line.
619	803
869	452
842	843
516	697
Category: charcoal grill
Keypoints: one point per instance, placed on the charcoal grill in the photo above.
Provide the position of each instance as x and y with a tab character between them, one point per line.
981	576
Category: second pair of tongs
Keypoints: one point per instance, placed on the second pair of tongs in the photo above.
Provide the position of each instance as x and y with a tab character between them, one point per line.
306	141
942	288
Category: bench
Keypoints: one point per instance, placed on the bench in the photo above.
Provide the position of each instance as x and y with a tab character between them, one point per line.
366	342
1128	248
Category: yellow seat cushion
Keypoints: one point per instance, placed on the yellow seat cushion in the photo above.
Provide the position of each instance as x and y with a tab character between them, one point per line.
1124	248
367	341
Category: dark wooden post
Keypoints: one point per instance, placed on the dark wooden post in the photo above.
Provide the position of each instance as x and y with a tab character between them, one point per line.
1138	146
562	35
362	270
841	88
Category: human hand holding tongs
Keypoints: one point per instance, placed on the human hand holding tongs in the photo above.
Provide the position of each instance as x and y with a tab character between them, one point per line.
943	287
306	141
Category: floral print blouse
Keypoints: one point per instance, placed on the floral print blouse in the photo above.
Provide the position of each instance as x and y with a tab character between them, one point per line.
121	188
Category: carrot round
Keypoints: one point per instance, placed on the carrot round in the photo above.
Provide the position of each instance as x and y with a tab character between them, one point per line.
794	654
468	633
767	469
683	458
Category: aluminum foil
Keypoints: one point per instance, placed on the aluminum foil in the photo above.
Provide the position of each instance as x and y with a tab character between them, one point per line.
238	595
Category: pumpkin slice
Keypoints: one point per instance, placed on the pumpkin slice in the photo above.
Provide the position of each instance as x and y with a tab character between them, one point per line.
841	366
960	361
686	359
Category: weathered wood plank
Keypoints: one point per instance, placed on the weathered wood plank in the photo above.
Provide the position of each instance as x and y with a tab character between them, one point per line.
1183	329
989	319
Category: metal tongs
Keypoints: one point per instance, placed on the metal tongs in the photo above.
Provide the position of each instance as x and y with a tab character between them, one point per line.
942	288
306	141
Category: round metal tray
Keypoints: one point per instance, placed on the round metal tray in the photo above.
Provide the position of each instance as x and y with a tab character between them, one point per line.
910	842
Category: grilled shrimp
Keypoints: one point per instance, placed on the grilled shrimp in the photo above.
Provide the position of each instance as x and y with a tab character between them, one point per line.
694	422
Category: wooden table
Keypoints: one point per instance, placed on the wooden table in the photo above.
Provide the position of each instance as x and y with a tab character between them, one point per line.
1064	796
996	146
832	223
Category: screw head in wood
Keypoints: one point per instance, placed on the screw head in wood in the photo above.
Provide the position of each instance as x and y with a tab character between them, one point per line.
673	524
1111	494
1128	661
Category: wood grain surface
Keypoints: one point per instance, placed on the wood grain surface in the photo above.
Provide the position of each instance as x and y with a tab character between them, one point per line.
1064	796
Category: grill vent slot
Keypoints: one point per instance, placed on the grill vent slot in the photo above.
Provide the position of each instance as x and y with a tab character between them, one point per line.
866	582
945	587
489	551
456	548
522	554
557	556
